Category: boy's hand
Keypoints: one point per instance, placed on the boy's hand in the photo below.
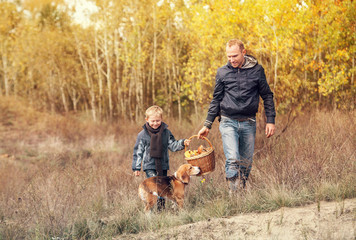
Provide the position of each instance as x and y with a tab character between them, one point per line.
136	173
187	142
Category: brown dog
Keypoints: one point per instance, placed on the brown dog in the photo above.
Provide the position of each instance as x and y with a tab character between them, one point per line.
171	187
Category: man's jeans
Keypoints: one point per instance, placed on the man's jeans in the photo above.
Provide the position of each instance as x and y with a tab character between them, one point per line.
239	142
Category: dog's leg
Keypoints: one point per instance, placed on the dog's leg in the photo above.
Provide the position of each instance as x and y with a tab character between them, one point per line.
180	202
151	201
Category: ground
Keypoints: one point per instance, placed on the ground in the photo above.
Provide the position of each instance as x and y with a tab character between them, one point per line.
326	220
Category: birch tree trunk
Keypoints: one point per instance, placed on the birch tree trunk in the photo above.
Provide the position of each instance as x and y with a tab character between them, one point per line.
154	54
166	88
128	84
6	75
99	73
64	100
62	85
51	91
89	82
74	97
276	62
118	77
139	81
352	81
108	73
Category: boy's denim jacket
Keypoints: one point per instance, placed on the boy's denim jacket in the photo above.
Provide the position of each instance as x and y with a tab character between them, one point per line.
141	153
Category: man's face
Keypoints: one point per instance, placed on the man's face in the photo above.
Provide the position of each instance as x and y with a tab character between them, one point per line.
154	121
235	56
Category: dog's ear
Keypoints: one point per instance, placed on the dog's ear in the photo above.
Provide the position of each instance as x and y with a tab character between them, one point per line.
182	174
185	177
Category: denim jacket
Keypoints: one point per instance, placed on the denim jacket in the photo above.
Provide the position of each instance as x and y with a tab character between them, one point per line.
141	153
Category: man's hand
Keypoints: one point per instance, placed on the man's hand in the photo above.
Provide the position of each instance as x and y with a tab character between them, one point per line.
203	132
270	129
136	173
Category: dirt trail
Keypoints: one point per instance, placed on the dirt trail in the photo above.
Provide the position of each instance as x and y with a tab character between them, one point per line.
331	220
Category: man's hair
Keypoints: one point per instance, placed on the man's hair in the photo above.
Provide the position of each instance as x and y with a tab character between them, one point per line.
234	42
154	110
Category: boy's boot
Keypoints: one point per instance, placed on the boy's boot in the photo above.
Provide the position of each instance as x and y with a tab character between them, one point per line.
161	204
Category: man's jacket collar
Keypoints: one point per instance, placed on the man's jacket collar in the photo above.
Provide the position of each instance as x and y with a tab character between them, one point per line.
250	62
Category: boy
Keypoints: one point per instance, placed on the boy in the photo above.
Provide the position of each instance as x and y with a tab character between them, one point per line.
151	148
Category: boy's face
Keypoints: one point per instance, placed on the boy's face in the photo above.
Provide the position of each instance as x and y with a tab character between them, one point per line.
154	121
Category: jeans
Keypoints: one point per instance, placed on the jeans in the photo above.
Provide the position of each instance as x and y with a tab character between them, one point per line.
238	139
161	202
153	173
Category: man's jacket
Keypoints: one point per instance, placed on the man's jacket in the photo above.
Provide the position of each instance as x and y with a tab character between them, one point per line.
237	91
141	154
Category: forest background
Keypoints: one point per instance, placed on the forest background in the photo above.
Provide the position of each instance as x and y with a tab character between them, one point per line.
127	55
73	95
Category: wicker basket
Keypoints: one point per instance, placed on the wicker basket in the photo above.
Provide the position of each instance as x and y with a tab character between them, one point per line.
205	161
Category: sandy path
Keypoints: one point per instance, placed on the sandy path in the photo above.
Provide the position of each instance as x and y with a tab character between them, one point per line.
335	220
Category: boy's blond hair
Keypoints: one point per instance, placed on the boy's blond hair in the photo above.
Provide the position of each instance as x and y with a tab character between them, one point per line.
153	111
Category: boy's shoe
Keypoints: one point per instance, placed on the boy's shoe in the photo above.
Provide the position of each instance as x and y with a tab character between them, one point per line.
161	204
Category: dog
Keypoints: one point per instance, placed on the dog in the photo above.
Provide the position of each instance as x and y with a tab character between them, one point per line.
171	187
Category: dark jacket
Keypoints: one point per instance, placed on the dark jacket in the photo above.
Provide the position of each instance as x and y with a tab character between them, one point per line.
141	154
237	91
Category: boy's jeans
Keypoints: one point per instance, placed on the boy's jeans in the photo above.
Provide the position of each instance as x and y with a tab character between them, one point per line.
153	173
238	139
160	201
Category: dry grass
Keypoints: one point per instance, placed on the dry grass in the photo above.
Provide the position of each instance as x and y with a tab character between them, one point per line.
67	177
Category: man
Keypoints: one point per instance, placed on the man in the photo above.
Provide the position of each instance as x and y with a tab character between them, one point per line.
238	86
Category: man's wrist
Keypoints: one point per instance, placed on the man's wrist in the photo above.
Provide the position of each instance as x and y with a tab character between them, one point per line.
270	120
208	124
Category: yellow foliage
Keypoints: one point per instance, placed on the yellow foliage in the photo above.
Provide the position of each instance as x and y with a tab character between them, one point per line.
167	53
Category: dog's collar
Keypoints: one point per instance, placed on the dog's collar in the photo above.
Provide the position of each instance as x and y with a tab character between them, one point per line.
175	176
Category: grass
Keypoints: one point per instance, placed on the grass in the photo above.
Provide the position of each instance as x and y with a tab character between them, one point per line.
62	177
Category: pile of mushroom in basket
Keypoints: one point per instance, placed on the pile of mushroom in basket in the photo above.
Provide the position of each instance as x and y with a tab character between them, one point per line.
203	157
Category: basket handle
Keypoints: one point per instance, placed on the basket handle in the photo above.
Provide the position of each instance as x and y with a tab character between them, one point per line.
185	147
